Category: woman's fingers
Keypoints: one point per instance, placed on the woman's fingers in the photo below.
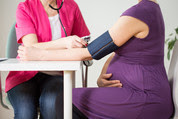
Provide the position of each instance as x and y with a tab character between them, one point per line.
21	54
22	57
75	42
83	42
104	82
110	82
115	85
80	43
29	53
106	76
21	47
20	51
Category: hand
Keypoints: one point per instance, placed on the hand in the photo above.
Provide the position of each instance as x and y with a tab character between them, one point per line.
29	53
75	42
104	82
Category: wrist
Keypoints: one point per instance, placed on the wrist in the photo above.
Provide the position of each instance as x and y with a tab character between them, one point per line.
42	55
66	42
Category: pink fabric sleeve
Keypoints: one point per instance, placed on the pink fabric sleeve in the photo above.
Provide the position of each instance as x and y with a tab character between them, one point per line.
24	23
79	28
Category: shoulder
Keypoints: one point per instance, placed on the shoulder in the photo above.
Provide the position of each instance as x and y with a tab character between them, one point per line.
140	11
27	3
71	7
71	4
26	6
134	10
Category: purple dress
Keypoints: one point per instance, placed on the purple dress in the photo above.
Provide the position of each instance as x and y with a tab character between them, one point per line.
139	65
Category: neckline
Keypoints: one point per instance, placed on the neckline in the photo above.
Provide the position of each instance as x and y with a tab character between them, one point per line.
54	17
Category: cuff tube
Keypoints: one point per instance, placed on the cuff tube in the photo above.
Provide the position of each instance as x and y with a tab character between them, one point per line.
102	46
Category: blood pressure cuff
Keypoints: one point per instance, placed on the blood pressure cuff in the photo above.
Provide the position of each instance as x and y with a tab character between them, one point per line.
102	46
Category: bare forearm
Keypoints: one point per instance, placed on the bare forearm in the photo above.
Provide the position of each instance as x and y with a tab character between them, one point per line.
51	45
75	54
32	40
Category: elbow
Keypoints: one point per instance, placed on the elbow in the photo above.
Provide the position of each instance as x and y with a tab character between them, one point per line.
88	58
84	58
30	44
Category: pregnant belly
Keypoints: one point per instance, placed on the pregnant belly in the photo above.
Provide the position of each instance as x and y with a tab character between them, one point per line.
141	77
130	75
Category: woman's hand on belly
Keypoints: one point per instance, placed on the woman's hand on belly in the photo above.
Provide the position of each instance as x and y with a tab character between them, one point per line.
104	82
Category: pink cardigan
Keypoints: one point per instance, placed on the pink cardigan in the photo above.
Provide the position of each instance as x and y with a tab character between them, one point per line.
31	18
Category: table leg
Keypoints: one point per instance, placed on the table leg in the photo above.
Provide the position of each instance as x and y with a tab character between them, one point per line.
1	95
69	76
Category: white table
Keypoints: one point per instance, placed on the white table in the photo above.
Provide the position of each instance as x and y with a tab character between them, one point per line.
69	68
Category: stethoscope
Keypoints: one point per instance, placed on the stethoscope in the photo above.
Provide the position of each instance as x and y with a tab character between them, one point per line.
86	63
59	15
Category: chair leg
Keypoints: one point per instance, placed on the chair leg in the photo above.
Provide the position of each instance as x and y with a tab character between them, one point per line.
1	96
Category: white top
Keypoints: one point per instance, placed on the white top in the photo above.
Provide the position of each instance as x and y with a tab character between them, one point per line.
55	27
56	34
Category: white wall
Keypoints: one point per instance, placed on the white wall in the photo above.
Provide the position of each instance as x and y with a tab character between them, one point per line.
169	9
99	15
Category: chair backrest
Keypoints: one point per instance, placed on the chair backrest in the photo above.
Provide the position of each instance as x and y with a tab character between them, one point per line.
173	78
11	52
12	45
